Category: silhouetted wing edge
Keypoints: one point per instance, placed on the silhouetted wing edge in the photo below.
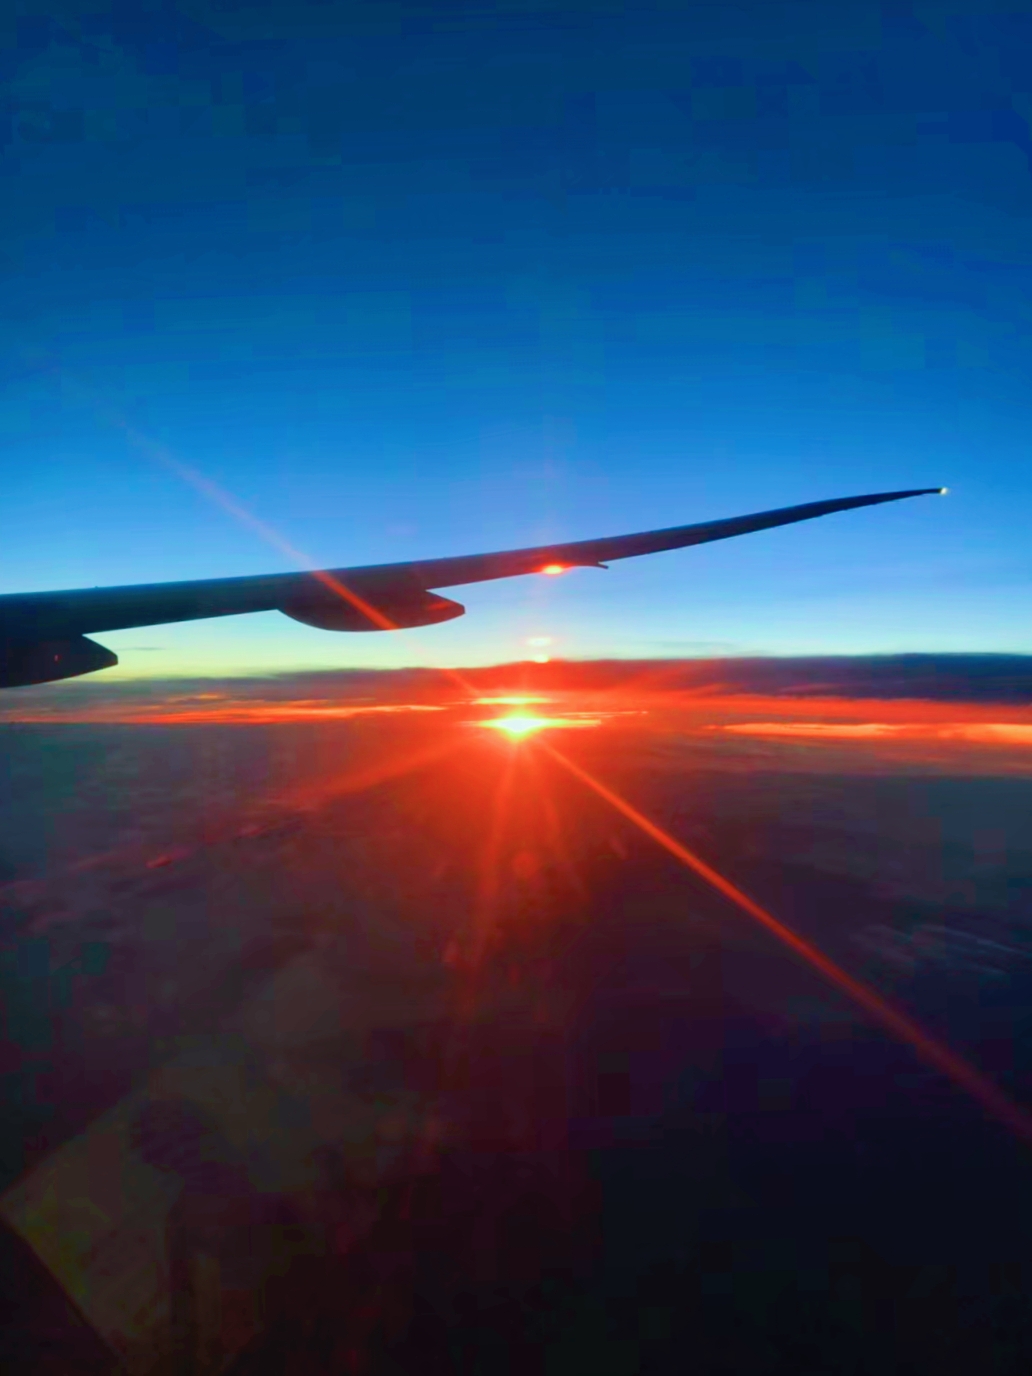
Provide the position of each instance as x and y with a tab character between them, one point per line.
83	611
477	568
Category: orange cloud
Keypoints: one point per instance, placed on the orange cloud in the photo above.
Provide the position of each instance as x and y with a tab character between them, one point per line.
866	731
990	733
216	711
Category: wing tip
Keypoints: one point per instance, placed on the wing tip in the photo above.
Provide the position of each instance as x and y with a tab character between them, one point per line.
919	492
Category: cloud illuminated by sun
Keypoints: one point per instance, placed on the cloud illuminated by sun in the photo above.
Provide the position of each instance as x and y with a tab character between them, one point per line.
985	733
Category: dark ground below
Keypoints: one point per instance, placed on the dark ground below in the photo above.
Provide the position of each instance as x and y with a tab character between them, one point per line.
704	1162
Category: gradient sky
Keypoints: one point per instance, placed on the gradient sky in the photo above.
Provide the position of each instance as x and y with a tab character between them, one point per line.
414	279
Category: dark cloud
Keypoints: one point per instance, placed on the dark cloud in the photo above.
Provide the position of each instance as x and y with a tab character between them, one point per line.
929	677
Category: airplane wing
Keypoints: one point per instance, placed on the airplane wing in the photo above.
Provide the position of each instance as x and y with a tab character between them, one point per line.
372	597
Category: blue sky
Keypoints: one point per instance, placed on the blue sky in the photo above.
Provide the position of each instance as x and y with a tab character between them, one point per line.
422	279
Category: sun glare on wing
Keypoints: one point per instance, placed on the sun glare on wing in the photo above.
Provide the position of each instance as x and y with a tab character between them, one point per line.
553	569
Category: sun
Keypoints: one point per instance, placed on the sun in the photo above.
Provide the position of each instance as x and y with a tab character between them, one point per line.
518	726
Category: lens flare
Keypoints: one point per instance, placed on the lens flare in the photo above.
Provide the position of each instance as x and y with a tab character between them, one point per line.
948	1062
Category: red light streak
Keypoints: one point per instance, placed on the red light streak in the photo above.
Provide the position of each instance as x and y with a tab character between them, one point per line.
384	771
160	454
488	888
221	498
998	1104
554	831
